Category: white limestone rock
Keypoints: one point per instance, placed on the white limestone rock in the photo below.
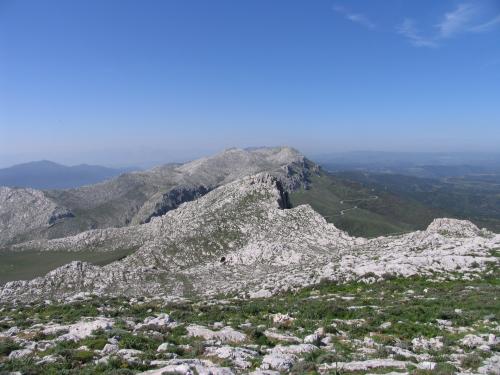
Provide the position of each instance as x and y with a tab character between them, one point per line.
163	347
21	353
283	320
363	365
110	349
129	355
273	334
190	367
423	344
314	339
156	323
225	335
26	212
49	359
79	330
240	357
490	366
282	358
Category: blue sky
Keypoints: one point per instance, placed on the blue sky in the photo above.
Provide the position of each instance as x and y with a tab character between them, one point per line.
131	82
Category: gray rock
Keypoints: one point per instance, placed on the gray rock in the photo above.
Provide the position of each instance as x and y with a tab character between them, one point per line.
20	353
240	357
110	349
225	335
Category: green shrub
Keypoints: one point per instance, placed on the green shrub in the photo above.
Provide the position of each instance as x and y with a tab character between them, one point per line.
7	346
138	342
82	355
95	343
303	367
471	361
257	336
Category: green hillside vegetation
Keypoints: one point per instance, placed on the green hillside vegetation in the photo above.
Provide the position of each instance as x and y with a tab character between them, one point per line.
377	212
468	197
26	265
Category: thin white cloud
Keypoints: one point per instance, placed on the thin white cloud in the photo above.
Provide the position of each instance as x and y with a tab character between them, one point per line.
465	18
486	26
457	21
358	18
410	31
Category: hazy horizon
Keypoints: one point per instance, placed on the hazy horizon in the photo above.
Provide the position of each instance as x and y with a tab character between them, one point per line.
128	83
455	157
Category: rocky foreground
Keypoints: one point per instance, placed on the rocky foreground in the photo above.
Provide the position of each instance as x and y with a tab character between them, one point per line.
394	326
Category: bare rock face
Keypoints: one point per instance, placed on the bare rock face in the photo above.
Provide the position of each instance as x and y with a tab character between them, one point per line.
137	197
239	239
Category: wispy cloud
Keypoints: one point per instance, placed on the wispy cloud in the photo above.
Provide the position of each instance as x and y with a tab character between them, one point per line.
465	18
358	18
410	31
486	26
457	20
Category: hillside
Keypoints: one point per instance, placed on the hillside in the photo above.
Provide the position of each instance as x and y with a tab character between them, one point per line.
136	197
364	210
471	197
45	174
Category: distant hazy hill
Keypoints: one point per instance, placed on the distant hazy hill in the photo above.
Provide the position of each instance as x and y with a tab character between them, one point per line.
49	175
423	164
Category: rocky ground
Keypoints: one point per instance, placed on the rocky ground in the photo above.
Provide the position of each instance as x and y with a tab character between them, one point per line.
398	325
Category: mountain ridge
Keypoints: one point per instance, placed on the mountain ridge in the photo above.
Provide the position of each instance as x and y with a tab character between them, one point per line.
240	239
136	197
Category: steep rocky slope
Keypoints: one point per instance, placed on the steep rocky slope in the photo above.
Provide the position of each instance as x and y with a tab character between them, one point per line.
135	198
24	213
239	239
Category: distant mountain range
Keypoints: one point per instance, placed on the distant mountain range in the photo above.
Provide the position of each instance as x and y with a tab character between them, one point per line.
46	174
